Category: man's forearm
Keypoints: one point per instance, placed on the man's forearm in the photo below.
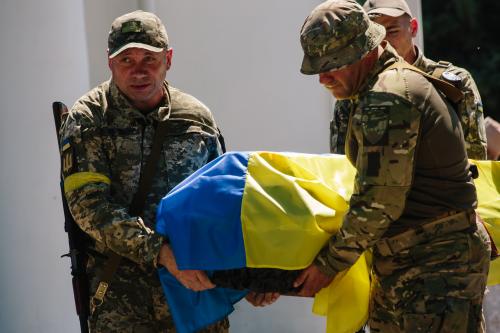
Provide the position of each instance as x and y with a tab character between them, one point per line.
111	225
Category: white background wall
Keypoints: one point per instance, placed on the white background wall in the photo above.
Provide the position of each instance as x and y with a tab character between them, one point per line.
43	58
240	58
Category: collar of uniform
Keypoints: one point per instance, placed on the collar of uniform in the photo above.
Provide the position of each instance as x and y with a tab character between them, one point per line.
388	57
165	108
419	61
120	102
422	62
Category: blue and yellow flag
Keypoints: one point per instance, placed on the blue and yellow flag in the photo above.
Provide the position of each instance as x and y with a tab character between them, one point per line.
274	210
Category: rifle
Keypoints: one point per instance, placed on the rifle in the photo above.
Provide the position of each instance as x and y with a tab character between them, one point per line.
78	240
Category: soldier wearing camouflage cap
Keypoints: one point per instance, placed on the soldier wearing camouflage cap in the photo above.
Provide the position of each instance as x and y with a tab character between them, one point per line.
402	27
414	196
106	141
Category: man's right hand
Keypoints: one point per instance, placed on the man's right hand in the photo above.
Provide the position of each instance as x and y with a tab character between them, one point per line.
311	280
261	299
192	279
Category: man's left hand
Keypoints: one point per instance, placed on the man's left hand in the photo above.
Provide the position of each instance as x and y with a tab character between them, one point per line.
195	280
311	280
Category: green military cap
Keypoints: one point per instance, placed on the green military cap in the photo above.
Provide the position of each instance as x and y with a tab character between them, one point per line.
137	29
394	8
337	33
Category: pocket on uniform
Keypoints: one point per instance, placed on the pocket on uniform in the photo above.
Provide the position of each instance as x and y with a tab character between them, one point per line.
125	153
121	141
447	250
421	322
458	317
370	168
184	154
129	143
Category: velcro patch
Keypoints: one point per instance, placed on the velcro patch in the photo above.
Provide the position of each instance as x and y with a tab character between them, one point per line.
132	26
373	168
375	122
68	158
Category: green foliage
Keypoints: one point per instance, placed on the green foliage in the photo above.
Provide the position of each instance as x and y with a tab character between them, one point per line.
464	33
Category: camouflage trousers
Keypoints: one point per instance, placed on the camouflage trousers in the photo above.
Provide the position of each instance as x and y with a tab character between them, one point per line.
135	303
434	286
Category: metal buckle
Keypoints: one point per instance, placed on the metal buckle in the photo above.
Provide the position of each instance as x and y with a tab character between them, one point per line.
98	298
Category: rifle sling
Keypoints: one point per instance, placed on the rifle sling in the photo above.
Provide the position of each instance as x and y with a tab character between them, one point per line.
146	179
136	209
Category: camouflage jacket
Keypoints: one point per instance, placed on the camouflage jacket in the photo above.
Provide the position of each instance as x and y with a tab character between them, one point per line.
410	158
470	109
105	146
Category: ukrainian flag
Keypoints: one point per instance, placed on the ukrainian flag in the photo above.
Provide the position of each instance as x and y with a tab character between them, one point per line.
271	210
488	196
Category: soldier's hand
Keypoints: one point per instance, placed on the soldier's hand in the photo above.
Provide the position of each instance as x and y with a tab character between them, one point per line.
311	280
261	299
192	279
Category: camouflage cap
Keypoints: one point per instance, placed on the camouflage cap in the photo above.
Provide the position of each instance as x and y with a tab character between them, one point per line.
394	8
337	33
137	29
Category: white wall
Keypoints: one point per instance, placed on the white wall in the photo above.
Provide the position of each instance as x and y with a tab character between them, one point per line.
241	58
43	58
98	20
416	10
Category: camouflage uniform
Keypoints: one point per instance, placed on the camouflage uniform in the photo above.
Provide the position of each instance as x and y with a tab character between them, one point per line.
106	143
470	110
413	195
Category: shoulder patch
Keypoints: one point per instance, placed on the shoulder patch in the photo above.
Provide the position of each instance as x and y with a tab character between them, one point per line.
68	164
451	78
375	121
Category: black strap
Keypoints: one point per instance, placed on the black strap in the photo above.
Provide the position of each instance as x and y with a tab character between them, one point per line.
109	270
136	208
146	179
221	141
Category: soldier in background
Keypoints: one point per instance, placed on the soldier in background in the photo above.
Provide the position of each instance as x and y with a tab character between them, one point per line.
402	27
106	141
414	197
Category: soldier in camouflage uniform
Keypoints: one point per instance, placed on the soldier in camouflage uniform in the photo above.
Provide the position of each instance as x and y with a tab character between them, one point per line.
396	17
106	141
414	196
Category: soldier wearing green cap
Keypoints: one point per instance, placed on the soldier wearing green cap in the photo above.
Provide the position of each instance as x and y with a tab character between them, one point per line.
402	27
106	141
414	195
